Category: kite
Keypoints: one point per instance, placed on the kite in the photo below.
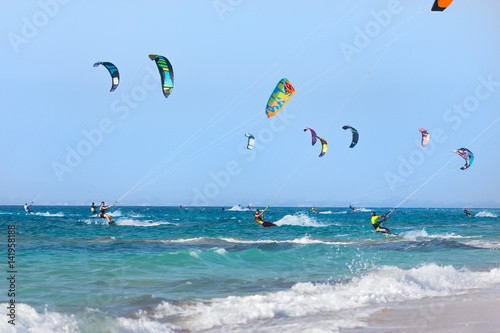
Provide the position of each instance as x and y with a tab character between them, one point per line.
313	135
425	136
440	5
324	147
355	135
113	71
280	96
251	140
467	155
166	73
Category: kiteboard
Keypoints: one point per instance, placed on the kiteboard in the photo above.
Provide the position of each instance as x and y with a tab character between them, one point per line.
268	224
112	223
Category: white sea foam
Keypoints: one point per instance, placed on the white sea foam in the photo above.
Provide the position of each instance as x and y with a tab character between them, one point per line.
302	240
140	223
186	240
47	214
485	244
361	209
220	251
329	212
195	253
414	235
306	300
115	213
238	209
300	219
485	214
94	221
29	320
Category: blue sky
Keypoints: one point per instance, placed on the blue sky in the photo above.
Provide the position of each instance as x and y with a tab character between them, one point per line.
383	67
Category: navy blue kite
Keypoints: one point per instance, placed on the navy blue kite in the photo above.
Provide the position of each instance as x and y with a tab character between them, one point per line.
113	71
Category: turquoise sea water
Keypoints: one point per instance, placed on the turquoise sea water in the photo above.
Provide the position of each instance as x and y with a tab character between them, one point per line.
163	269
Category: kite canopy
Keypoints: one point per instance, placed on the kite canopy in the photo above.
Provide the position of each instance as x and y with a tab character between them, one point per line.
324	146
355	135
280	96
425	136
166	73
467	155
251	140
113	71
313	135
440	5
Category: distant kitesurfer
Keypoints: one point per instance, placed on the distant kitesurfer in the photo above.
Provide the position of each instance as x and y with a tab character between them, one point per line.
352	208
223	208
314	210
466	211
259	218
27	208
102	212
376	223
93	209
180	206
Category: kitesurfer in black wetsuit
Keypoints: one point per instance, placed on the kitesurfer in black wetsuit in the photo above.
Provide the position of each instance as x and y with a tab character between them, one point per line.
259	218
93	209
102	212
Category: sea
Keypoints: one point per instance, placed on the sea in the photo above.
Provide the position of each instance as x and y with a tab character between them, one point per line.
209	269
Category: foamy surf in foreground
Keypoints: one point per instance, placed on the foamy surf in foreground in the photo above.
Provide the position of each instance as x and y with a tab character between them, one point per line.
322	307
386	285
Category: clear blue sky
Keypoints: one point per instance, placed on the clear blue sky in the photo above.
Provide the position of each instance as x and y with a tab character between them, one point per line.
383	67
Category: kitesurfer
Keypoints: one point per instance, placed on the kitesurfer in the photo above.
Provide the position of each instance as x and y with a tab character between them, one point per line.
466	211
102	212
314	210
27	208
259	218
376	223
352	208
93	209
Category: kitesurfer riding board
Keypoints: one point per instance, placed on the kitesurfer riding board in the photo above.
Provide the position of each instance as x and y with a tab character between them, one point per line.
28	209
376	224
259	218
103	215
